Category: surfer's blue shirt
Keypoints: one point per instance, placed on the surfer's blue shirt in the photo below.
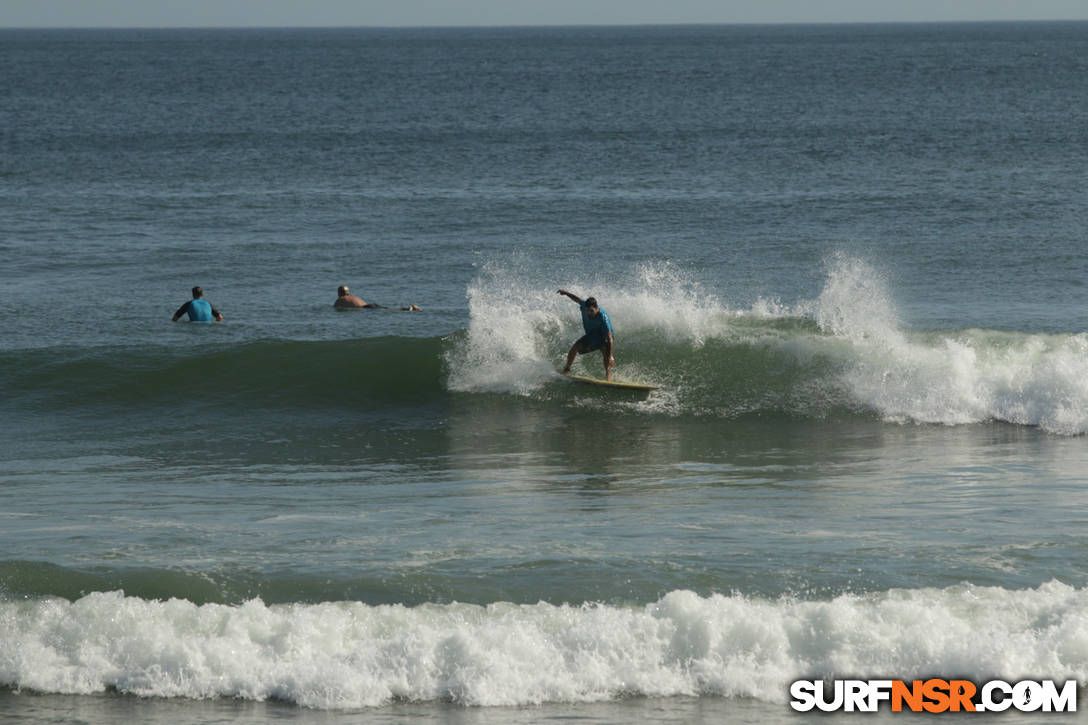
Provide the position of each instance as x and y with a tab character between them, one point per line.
596	327
199	310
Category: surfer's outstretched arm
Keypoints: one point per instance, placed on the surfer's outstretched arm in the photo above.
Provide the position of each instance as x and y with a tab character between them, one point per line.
574	297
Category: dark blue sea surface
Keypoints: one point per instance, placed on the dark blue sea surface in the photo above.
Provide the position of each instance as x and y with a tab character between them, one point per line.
852	257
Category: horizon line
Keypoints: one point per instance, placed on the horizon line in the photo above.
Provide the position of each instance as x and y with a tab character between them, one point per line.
506	26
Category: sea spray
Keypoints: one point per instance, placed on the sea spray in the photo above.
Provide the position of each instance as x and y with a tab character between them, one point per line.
348	654
844	353
505	347
855	303
520	328
950	377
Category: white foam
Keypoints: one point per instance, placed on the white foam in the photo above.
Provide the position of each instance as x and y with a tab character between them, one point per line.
350	655
958	377
505	346
520	330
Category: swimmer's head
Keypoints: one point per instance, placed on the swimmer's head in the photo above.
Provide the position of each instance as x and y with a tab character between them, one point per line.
342	290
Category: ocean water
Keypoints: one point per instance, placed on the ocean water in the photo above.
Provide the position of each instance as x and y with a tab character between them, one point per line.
853	258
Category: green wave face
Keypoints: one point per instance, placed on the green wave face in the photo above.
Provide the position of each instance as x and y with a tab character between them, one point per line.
730	365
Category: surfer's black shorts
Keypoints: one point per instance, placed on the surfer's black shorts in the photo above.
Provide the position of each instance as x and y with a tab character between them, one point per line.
586	344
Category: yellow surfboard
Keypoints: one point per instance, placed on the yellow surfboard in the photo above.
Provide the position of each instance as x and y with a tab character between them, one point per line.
636	387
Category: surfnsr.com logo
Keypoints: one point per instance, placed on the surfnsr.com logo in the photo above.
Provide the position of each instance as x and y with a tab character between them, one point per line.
933	695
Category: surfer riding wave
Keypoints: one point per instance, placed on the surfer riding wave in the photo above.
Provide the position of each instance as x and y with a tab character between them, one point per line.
598	329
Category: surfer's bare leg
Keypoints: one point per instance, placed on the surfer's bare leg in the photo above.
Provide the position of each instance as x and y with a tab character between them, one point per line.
609	361
571	355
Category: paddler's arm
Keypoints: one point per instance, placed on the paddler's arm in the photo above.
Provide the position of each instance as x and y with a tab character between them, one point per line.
576	298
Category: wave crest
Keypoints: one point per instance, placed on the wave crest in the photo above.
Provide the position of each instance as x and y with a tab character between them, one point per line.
844	353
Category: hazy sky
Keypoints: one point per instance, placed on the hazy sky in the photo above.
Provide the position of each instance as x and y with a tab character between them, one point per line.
290	13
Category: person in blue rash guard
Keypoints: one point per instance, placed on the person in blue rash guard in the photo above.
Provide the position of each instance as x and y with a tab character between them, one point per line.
598	333
198	309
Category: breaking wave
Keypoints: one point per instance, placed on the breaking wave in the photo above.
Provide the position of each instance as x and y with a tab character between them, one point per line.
340	655
842	354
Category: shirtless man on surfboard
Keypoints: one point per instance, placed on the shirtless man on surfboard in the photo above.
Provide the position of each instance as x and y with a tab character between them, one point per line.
598	333
347	301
